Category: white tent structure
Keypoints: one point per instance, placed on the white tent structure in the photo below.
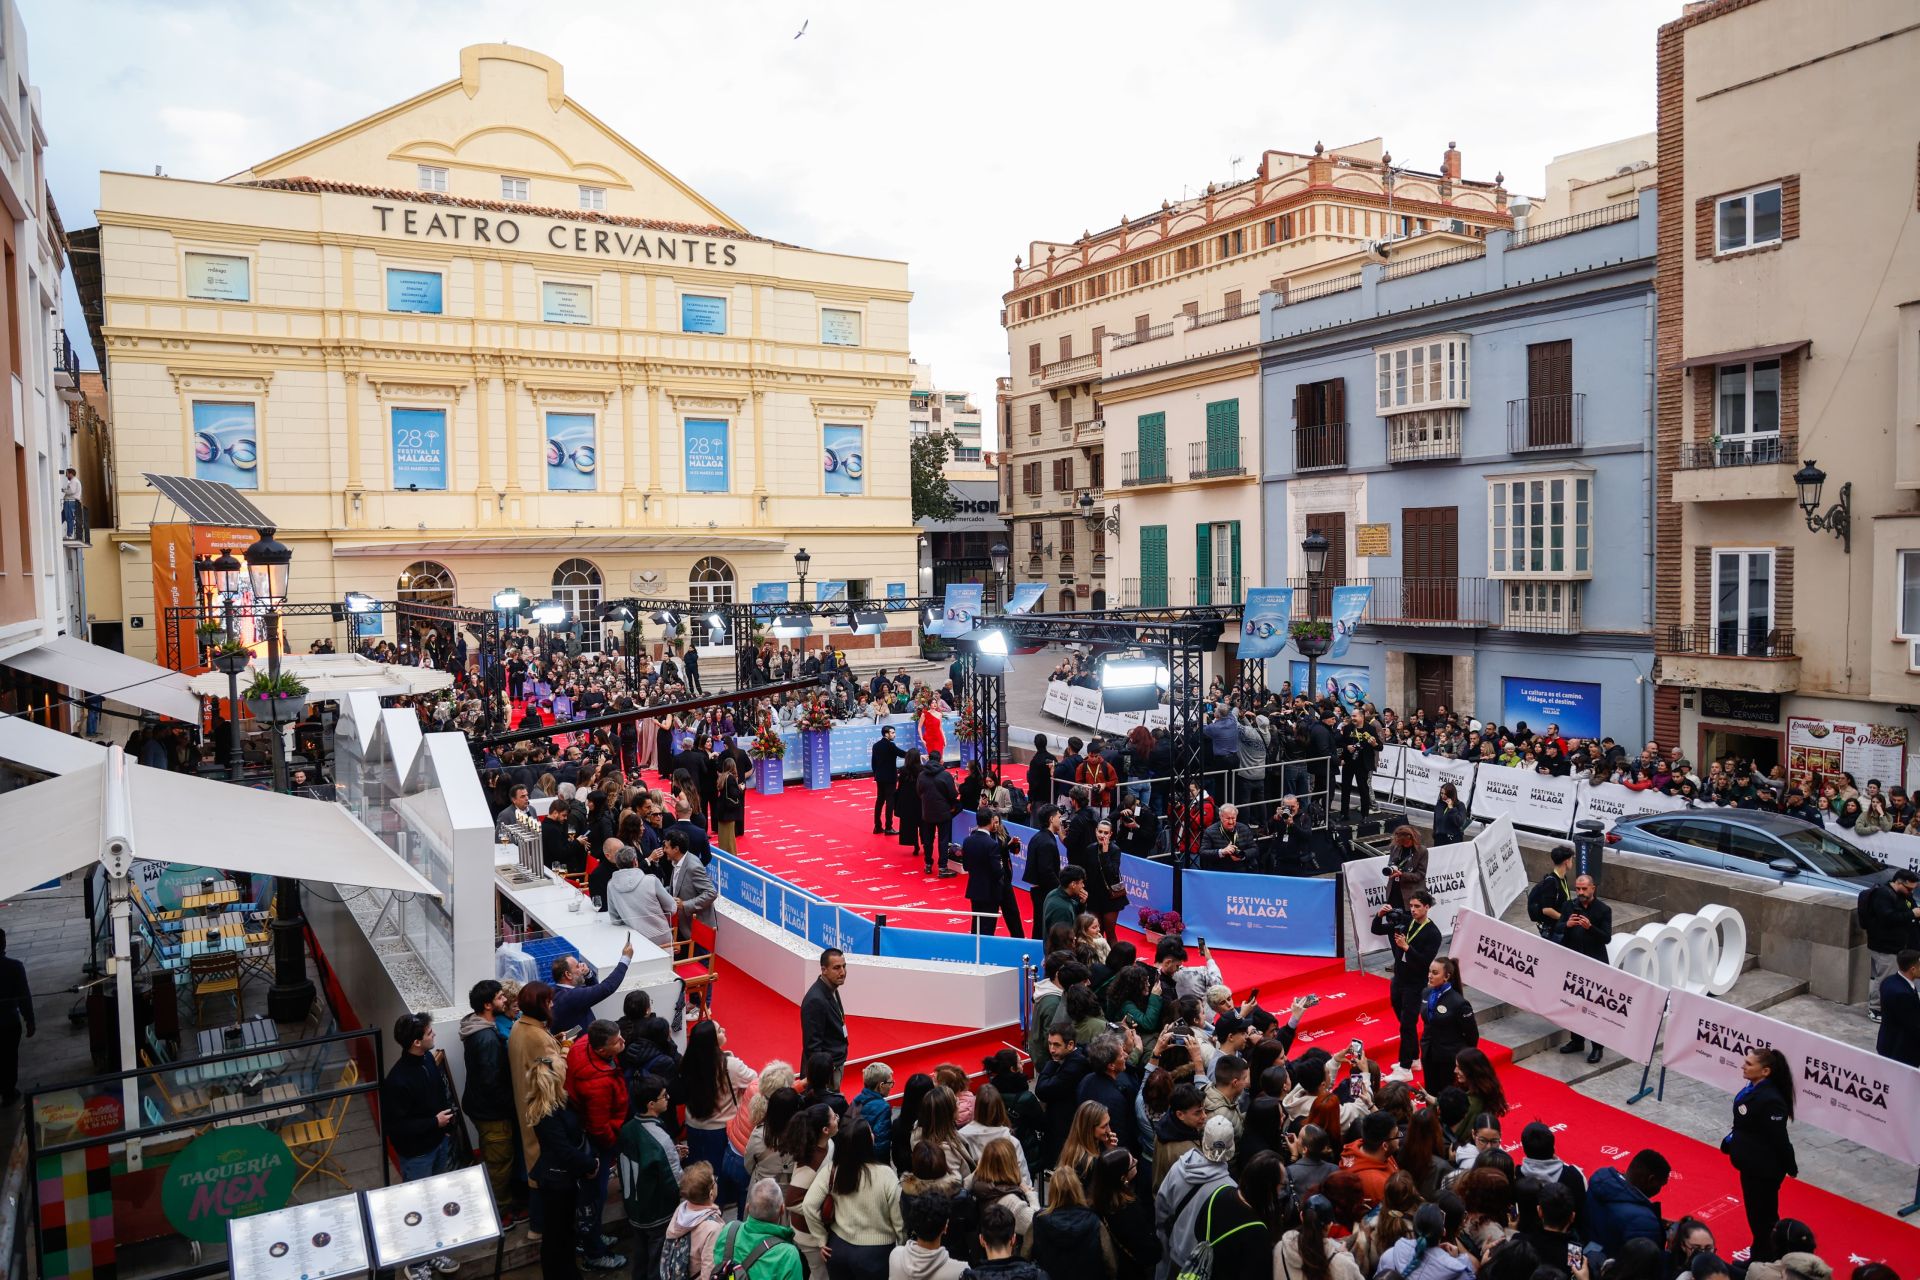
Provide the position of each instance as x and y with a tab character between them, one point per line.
334	675
103	807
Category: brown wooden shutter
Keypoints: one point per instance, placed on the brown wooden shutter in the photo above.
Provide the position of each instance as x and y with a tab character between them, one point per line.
1033	357
1232	302
1336	400
1066	346
1333	524
1099	342
1429	563
1549	394
1142	323
1066	537
1033	419
1303	406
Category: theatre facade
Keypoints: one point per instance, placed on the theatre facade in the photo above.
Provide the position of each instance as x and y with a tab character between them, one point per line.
480	340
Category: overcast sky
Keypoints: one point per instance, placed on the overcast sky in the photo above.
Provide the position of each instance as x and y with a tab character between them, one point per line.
948	134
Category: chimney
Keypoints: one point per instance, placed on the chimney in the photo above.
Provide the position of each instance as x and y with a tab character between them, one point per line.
1450	164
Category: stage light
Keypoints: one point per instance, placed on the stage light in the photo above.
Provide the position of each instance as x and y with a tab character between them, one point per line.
717	621
507	601
1132	684
989	647
791	626
616	612
550	613
361	602
866	622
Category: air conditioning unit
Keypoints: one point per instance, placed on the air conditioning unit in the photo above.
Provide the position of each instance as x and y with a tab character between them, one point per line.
1458	227
1913	655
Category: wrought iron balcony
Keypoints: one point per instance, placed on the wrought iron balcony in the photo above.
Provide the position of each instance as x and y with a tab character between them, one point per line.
1213	459
1249	307
1425	435
1729	641
1320	446
1139	469
1736	451
1537	424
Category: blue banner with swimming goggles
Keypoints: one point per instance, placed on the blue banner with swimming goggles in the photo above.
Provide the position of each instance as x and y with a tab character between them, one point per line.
572	454
1348	604
963	606
1277	915
1263	622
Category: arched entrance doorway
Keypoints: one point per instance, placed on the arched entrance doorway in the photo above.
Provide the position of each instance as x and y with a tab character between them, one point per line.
576	584
710	583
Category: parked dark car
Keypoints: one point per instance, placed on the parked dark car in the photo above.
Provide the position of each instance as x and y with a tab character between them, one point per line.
1773	846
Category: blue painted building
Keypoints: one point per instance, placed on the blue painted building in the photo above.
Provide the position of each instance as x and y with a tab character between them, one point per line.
1472	430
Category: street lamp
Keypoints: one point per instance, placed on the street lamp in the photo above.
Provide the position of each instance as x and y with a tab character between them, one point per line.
291	996
226	580
1001	557
1314	549
800	562
1838	519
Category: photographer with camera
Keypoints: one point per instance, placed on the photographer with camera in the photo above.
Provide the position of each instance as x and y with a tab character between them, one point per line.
1406	868
1416	941
1288	843
1226	845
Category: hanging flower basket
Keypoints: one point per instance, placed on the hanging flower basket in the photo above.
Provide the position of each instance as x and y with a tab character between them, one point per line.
230	662
1312	639
278	710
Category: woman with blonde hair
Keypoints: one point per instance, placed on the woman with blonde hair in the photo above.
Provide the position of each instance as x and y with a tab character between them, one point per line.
1001	1178
1090	1138
1086	931
564	1162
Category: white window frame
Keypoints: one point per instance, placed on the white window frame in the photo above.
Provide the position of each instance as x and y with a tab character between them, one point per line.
1513	550
515	190
1540	603
1747	437
431	177
1743	605
593	198
1745	200
1429	374
1906	567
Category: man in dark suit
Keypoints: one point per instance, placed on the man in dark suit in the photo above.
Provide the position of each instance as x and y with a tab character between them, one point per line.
1588	928
987	857
1899	1011
887	755
692	660
16	1012
823	1021
1044	859
1082	823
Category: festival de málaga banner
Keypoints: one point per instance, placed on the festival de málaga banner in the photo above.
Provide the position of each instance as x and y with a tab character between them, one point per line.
1503	876
1025	596
1532	799
846	459
963	605
1272	914
706	460
1574	705
770	592
1453	878
1588	997
1348	604
1853	1092
420	448
572	454
1263	622
1608	802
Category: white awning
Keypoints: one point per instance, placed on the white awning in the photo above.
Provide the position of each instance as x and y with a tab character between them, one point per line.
73	662
44	750
57	826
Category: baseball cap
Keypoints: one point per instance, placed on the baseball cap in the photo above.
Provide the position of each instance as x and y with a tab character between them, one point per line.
1216	1140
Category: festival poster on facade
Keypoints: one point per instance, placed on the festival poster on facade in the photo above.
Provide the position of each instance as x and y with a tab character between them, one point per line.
830	590
1263	625
963	605
1025	596
572	454
846	459
1817	748
417	291
1348	604
706	462
702	314
226	445
419	448
770	592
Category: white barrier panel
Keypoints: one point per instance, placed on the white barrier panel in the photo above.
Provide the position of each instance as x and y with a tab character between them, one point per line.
1059	697
1890	847
1531	799
1424	774
1083	706
1158	718
1608	802
1453	878
1366	893
1386	778
1852	1092
1586	996
1503	876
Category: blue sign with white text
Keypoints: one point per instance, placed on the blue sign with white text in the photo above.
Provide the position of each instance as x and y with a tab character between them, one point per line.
702	315
1574	705
413	291
1277	915
1025	596
770	592
1147	883
706	455
420	448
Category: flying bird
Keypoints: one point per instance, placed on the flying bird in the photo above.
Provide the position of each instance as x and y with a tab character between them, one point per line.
803	29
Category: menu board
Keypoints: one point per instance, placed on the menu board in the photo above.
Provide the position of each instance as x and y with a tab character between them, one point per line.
1824	747
433	1215
300	1242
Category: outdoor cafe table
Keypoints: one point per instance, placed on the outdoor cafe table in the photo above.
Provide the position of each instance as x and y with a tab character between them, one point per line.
194	928
254	1033
222	893
219	1072
230	940
287	1093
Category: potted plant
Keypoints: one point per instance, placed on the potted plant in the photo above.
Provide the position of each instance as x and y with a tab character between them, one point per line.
816	745
230	657
1161	924
1312	639
209	630
278	697
769	752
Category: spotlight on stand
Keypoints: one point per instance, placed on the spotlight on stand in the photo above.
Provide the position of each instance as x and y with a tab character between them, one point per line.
1132	683
550	613
717	623
507	600
668	621
360	602
866	622
990	648
1207	634
791	626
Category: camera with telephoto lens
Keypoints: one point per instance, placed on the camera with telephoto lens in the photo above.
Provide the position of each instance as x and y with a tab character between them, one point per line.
1396	919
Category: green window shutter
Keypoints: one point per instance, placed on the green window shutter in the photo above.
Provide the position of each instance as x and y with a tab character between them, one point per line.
1153	446
1203	564
1235	530
1153	566
1223	435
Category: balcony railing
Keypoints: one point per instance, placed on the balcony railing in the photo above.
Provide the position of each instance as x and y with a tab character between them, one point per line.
1307	293
1212	459
1089	431
1249	307
1465	603
1320	446
1425	435
1736	451
1215	590
1729	641
1606	216
1148	334
1536	424
1072	369
1138	469
66	361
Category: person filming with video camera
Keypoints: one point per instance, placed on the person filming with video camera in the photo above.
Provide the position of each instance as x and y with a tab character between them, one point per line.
1416	941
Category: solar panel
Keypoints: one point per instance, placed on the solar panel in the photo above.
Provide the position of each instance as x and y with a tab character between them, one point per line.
208	501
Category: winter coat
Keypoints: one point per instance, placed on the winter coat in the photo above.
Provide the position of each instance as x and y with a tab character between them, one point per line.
914	1261
1136	1249
565	1157
781	1262
878	1113
1058	1086
489	1093
597	1089
1435	1264
1617	1212
1374	1170
702	1222
869	1216
1067	1242
649	1171
1758	1143
530	1042
1004	1269
1792	1266
1171	1140
977	1136
413	1096
1287	1263
1189	1182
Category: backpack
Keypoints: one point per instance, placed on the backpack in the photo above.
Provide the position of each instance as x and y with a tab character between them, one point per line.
730	1268
1199	1263
676	1255
1863	906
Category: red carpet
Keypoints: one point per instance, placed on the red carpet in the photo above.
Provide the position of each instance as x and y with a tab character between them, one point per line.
824	842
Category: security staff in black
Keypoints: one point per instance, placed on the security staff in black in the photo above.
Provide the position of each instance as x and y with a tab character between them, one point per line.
1547	901
1413	951
1758	1144
886	758
1586	927
1447	1024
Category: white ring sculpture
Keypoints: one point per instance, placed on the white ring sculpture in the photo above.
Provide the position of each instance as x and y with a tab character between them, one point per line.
1702	953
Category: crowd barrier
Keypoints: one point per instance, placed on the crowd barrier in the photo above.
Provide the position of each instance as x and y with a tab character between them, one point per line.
1844	1089
1483	874
850	745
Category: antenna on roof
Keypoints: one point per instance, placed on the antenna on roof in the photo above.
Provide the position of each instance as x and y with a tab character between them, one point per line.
1236	167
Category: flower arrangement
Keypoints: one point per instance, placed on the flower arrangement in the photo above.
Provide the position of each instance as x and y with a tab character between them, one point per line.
208	628
280	685
816	718
1167	922
970	724
1315	630
226	647
767	742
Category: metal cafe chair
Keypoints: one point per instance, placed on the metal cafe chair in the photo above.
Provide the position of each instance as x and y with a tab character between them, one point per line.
318	1136
216	975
